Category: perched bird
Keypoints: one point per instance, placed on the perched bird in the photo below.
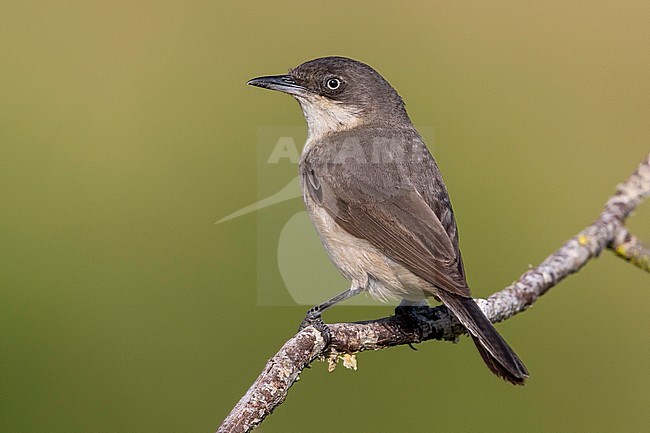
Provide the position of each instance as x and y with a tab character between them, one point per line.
378	201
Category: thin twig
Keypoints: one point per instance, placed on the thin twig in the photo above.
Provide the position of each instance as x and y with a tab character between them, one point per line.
630	248
608	231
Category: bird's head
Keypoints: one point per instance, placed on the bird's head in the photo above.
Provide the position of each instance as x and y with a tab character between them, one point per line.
337	93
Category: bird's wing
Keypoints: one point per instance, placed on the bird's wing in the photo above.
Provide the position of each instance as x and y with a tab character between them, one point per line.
393	217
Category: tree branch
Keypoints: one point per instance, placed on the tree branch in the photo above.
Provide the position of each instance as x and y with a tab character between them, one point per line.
608	231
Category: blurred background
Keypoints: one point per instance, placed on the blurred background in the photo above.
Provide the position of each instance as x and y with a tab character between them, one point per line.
127	131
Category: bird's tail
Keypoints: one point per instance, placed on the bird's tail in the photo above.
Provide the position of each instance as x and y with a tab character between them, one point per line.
494	350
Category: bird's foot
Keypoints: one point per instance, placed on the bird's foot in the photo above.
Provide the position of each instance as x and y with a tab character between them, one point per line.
414	315
313	318
411	312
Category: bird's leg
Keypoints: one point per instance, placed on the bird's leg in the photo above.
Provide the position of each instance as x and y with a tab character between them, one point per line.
313	317
407	303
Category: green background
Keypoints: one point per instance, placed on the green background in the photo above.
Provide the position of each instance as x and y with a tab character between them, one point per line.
126	131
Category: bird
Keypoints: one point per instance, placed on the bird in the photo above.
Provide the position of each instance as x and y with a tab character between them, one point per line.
377	199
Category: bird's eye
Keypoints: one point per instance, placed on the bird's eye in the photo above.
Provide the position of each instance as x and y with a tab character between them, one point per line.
333	83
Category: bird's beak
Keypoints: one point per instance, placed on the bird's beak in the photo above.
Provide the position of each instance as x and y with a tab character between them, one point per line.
281	83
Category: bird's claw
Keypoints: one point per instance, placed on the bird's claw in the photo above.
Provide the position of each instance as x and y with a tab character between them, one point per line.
313	318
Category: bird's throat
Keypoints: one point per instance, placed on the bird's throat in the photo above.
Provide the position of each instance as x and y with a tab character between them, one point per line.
325	117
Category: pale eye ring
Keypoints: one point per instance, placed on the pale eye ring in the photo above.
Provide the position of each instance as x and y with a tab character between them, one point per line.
333	83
